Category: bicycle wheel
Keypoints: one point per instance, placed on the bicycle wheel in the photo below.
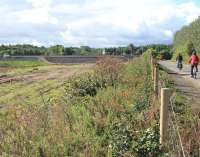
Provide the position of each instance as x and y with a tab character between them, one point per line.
195	73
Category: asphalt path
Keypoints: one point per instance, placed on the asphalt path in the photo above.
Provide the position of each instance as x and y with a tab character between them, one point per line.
190	87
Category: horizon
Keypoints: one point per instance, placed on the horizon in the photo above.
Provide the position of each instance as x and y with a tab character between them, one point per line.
94	23
117	46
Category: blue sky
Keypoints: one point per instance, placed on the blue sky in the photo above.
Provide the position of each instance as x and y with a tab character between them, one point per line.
96	23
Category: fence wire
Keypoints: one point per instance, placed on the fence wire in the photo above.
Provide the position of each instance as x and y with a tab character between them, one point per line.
175	140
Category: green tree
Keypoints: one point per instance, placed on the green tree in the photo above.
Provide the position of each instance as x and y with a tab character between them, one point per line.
190	48
187	38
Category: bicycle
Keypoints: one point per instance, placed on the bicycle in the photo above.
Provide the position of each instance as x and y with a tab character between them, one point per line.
195	72
180	66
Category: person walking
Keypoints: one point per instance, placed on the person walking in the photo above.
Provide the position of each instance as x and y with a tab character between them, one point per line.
194	61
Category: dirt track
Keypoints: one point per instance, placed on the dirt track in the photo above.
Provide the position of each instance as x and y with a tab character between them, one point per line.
56	72
28	87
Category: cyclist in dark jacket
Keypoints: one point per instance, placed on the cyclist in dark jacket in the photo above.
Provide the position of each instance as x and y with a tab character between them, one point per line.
179	60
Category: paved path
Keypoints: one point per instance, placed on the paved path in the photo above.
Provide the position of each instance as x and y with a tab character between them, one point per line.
184	83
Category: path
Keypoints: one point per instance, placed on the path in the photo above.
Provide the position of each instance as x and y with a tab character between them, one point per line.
184	83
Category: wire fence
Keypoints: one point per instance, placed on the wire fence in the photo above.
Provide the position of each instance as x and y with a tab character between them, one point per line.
174	142
177	142
182	139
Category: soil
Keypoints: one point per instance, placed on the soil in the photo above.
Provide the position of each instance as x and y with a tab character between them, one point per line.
60	73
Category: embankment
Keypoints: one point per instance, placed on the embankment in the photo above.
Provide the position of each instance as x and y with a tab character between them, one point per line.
61	59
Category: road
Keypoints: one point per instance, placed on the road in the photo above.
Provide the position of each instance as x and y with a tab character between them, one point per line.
184	83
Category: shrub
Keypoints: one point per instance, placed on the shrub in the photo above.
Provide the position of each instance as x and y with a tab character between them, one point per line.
82	86
108	71
147	143
120	136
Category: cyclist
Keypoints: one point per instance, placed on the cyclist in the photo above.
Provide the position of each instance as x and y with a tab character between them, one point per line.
179	60
194	60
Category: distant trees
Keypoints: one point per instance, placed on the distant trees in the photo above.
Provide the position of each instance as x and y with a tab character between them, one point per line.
52	50
187	39
83	50
56	50
69	51
22	50
190	48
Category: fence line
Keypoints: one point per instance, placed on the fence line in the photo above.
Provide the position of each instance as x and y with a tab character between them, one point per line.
174	133
175	124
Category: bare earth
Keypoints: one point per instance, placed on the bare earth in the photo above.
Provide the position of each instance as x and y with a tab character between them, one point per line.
27	86
56	72
184	83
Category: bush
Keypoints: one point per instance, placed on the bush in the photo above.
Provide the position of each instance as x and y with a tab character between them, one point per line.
147	143
82	86
109	71
120	136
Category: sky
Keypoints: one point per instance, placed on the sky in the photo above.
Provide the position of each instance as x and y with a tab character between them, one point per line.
95	23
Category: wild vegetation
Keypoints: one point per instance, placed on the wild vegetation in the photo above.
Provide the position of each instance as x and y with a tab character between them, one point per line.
187	39
107	112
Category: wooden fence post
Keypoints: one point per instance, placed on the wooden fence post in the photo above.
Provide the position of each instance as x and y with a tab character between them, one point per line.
152	66
156	79
165	102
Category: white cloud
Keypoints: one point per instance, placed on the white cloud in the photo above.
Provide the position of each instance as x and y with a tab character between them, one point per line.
190	10
36	16
39	3
101	22
39	13
168	33
158	19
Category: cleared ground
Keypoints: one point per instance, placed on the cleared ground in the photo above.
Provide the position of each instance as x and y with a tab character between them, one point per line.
35	85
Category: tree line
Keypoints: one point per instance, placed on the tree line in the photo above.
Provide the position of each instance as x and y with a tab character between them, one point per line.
31	50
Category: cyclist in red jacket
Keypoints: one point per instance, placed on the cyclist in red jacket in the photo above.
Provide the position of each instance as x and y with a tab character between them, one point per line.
194	60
